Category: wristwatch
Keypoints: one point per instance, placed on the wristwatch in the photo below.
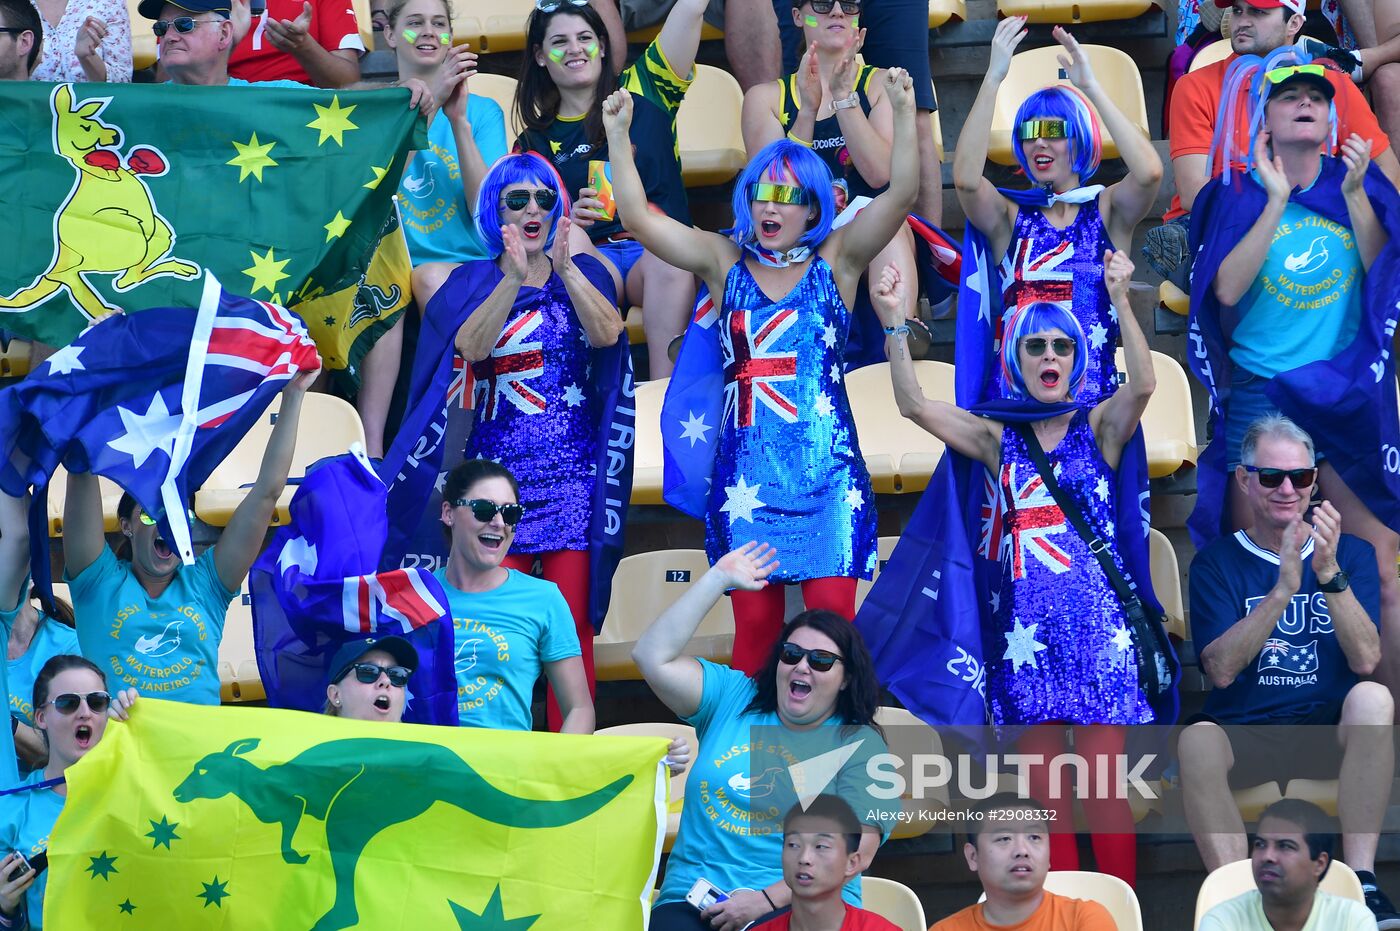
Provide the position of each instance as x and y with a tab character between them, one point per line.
846	103
1338	583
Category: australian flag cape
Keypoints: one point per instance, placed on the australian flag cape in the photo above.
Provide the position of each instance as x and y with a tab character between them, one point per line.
1346	403
437	421
316	586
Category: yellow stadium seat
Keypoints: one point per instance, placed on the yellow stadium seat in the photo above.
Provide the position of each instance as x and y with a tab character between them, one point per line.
884	549
1166	582
707	126
500	88
644	36
58	489
1216	51
1168	424
636	330
941	11
670	732
1034	69
1174	299
328	427
466	28
647	456
899	454
239	678
364	19
1234	879
143	40
645	585
502	23
938	132
893	901
1067	12
14	359
1255	799
1109	891
906	736
1321	792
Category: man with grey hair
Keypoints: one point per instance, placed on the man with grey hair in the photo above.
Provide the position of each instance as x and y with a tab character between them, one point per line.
1283	616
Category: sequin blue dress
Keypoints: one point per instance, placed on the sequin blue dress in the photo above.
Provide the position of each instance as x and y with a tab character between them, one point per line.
1065	267
1059	648
536	413
788	470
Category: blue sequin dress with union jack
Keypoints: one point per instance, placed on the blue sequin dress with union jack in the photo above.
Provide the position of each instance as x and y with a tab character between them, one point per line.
788	469
1059	648
536	413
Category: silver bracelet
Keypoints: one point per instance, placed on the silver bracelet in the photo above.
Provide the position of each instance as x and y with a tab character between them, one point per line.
902	329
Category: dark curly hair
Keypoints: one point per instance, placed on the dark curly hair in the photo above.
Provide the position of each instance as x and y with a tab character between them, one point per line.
856	703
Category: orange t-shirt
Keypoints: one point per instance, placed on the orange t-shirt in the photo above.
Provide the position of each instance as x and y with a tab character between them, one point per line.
1196	106
1056	913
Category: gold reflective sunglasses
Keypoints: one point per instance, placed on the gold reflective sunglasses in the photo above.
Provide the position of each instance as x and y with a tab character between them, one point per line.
777	193
1042	129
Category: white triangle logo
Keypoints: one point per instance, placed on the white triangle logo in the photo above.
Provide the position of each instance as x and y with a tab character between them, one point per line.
811	777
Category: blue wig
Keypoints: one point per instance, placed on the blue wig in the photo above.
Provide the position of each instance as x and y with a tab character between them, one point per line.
510	170
1063	103
768	165
1039	317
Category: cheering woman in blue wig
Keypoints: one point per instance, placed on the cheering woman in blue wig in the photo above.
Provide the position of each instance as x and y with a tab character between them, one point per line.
786	465
1293	296
1050	240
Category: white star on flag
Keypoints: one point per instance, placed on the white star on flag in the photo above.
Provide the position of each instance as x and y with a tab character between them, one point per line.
854	499
1123	640
1021	646
823	405
440	483
1112	313
977	284
65	361
829	336
573	396
741	500
298	553
148	432
996	600
1098	335
835	372
1101	489
694	428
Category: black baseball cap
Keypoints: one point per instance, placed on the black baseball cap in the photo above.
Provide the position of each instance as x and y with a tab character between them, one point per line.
352	651
151	8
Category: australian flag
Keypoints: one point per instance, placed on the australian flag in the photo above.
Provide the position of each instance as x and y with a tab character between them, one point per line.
692	411
153	401
316	586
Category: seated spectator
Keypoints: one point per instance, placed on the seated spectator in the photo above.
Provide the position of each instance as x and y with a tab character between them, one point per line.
1291	853
71	708
750	32
152	621
1009	850
84	40
310	43
1282	588
368	679
195	38
821	853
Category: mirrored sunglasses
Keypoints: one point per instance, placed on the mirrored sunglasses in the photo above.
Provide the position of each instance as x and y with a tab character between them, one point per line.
1062	346
150	521
1273	478
777	193
549	6
484	510
368	673
68	702
819	660
849	7
1042	129
519	198
184	25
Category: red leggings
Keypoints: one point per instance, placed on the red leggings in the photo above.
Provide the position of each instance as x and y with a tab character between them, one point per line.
758	616
569	570
1110	819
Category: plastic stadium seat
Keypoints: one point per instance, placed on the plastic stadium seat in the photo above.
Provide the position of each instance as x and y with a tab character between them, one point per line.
906	736
239	679
143	41
899	454
645	585
644	36
1166	582
893	901
364	19
14	359
883	550
1237	878
1174	299
670	732
636	330
647	456
1032	70
1168	424
1109	891
1321	792
502	23
58	489
1216	51
707	126
500	88
938	133
1073	11
941	11
328	426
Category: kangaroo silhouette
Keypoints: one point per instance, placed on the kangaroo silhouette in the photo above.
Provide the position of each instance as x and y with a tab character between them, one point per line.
358	788
109	222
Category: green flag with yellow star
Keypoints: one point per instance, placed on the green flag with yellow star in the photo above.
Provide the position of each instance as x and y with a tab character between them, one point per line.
118	197
188	816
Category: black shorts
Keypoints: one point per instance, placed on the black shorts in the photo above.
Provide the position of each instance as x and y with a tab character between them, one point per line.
1306	748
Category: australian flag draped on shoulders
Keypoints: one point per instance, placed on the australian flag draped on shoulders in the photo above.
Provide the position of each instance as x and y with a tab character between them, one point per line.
317	585
438	419
153	401
925	615
1346	403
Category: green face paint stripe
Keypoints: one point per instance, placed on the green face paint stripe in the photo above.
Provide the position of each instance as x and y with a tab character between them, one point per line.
592	49
556	55
855	22
445	38
810	21
410	36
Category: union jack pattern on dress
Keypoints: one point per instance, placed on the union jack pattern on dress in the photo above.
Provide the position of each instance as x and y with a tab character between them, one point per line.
993	514
512	362
461	388
1029	518
753	368
1031	277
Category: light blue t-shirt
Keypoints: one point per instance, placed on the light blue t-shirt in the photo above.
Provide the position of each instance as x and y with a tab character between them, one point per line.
51	638
26	819
166	647
9	763
731	830
503	639
437	221
1305	304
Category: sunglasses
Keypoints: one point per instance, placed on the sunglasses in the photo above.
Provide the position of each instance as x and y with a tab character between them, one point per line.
819	660
549	6
849	7
1063	346
1042	129
14	30
150	521
1279	75
1273	478
368	673
484	510
777	193
518	199
184	25
67	703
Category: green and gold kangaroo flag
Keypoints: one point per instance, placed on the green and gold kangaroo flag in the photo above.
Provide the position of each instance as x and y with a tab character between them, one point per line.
194	817
118	196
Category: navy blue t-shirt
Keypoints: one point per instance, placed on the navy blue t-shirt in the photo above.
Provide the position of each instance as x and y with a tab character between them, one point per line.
1302	666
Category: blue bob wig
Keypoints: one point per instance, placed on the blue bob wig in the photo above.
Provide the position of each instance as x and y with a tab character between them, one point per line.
769	165
1085	138
1038	318
510	170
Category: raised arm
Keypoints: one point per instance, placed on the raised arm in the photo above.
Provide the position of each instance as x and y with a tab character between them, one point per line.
867	137
984	206
676	678
82	523
450	87
325	67
1115	420
762	122
1356	631
1237	273
680	35
1370	237
14	550
704	254
599	316
477	336
969	435
242	539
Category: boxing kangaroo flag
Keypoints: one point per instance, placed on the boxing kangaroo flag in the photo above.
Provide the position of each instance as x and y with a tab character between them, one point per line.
317	585
114	205
258	818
